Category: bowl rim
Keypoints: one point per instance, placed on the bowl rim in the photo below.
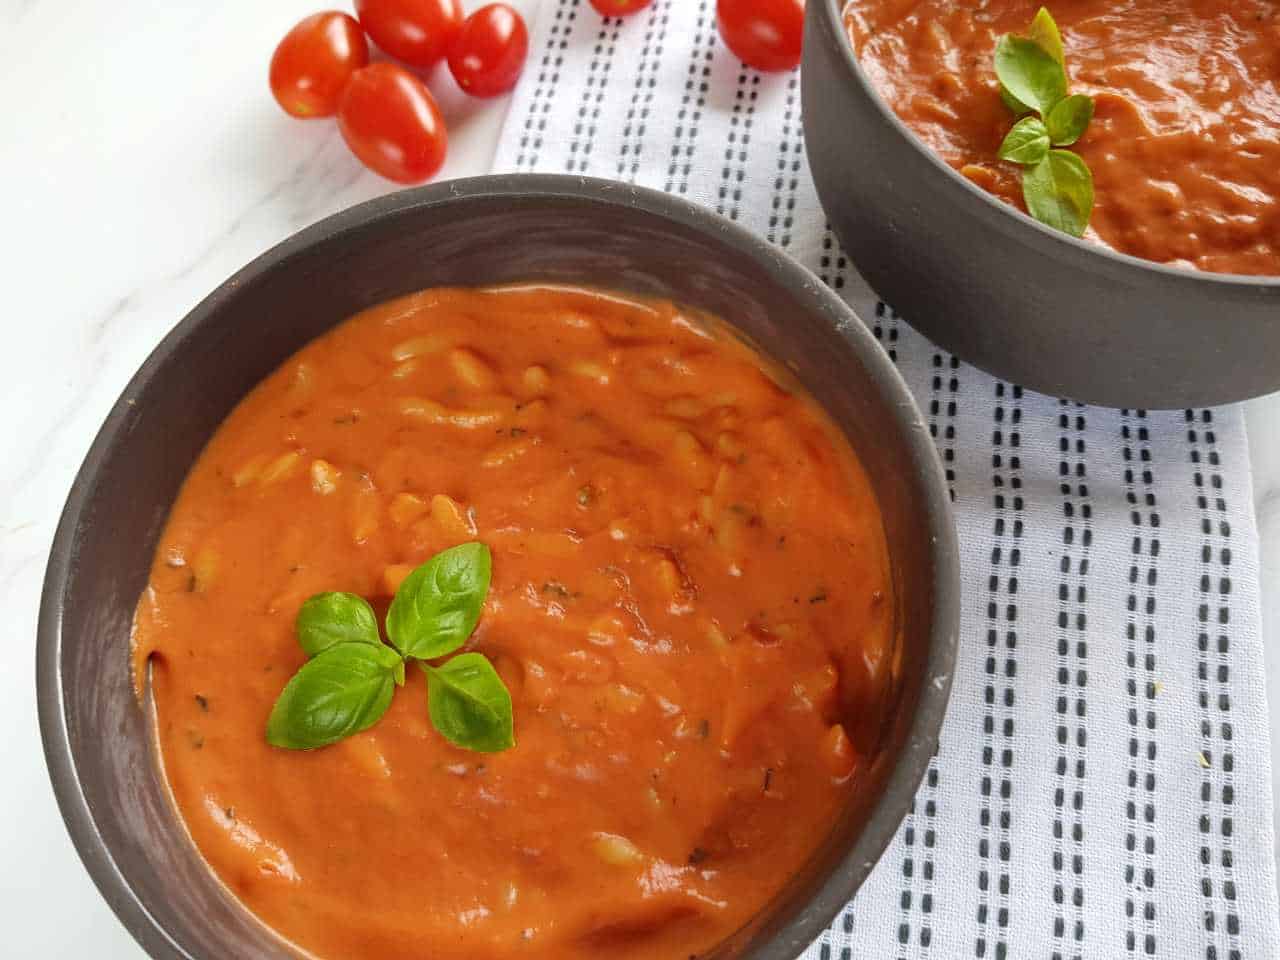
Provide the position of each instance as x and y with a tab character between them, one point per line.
907	771
1011	219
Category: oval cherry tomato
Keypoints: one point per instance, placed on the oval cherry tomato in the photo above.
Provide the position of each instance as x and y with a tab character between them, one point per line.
314	61
416	31
619	8
391	122
489	51
765	34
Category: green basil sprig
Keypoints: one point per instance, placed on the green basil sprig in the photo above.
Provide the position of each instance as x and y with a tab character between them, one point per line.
348	682
1056	184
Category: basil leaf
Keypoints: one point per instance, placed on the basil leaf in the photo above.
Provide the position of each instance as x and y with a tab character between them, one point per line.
1059	192
438	605
327	619
1067	121
469	704
1044	31
1030	73
341	691
1026	143
1012	102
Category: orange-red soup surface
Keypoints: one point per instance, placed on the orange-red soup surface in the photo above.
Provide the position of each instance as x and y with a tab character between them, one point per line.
690	607
1185	144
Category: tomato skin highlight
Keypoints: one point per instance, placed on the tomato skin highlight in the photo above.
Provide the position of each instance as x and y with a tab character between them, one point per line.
392	124
619	8
489	52
313	62
764	34
417	32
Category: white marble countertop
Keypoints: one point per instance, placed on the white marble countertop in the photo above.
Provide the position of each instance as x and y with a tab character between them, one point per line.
147	162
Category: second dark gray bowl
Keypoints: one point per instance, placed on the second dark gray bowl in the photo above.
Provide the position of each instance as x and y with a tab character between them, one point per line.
472	232
1004	292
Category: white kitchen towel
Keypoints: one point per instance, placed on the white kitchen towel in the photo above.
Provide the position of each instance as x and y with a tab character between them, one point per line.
1103	787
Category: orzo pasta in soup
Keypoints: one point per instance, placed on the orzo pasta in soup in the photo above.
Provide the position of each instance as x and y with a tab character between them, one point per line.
1184	147
690	606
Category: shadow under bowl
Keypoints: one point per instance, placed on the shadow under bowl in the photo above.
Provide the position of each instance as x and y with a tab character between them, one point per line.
1002	291
486	230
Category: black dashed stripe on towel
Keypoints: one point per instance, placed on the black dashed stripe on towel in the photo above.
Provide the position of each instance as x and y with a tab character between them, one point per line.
1217	787
919	838
918	833
833	266
548	80
1000	668
737	146
782	208
637	122
919	863
946	442
694	101
597	83
1071	707
885	328
1141	687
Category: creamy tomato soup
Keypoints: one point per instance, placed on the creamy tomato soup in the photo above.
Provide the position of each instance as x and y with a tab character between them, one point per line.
1185	144
690	605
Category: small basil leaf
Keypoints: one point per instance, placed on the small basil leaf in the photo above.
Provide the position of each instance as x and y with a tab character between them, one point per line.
438	605
1012	102
469	704
1068	119
1029	73
341	691
1059	192
328	619
1026	143
1044	31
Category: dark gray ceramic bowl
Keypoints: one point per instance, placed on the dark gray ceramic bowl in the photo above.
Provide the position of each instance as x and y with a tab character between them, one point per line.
481	231
1001	290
